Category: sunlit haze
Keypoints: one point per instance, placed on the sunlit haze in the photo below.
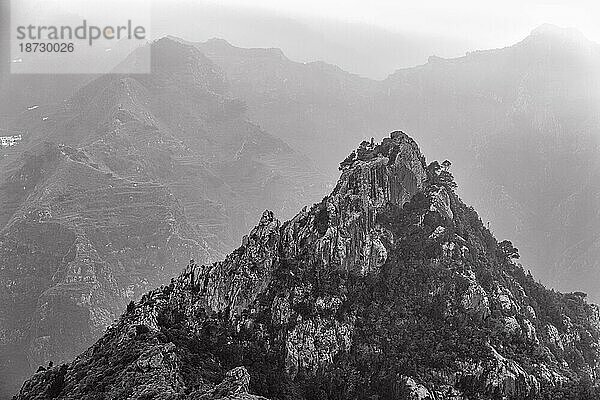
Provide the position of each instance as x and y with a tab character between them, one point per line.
371	38
490	23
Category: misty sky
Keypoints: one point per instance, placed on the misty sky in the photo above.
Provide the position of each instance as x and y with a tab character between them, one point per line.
371	38
488	23
375	37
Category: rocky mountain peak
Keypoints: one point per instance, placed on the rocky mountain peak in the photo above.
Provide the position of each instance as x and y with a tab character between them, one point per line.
218	48
185	62
398	153
378	174
218	43
170	51
557	41
551	30
390	287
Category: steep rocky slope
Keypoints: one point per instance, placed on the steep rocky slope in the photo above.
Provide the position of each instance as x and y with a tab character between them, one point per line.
113	190
388	288
523	121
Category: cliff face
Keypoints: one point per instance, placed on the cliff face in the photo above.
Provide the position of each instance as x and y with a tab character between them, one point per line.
390	287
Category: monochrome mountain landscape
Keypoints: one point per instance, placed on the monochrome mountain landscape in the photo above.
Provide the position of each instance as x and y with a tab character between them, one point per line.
389	286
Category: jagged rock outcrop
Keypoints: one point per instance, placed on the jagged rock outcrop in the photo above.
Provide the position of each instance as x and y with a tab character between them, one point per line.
389	288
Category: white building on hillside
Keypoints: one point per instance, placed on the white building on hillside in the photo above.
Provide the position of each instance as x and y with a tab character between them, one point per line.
9	141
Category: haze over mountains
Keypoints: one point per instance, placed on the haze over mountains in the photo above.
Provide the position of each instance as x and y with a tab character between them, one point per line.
351	46
134	174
